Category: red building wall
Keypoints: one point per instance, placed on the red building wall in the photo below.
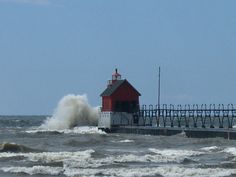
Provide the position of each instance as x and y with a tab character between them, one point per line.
106	103
124	93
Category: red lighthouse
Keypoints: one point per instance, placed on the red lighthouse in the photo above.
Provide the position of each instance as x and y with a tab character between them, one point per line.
120	100
120	95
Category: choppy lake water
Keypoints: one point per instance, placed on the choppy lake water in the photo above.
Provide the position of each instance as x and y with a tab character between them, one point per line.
85	151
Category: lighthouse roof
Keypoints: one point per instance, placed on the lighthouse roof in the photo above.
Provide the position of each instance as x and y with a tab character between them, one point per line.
112	88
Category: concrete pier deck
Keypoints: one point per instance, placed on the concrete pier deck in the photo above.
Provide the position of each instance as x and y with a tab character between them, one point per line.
168	131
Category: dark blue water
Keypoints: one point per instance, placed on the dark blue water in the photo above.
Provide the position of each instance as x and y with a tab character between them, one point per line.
85	151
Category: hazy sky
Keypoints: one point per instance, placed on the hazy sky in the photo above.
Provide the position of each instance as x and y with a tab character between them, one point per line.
51	48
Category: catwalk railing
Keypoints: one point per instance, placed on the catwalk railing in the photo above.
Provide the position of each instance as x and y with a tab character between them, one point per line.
205	116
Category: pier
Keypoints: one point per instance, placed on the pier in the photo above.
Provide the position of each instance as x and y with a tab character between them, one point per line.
195	116
197	121
122	113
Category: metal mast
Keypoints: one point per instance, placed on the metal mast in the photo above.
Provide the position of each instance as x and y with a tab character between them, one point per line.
159	95
159	88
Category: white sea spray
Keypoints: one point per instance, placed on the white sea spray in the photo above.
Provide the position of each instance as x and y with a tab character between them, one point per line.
72	110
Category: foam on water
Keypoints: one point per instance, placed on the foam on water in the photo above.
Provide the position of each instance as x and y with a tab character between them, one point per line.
230	150
82	163
210	149
126	141
48	157
173	155
170	171
72	110
75	130
42	170
84	159
168	155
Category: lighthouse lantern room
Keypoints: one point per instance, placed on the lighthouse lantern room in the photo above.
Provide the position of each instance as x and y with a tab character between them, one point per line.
119	101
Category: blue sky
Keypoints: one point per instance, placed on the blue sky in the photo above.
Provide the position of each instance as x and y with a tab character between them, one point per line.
51	48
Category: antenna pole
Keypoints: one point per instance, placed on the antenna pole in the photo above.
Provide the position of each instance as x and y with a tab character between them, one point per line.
159	96
159	90
159	86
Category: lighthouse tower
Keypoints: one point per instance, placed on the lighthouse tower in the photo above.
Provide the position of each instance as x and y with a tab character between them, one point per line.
119	101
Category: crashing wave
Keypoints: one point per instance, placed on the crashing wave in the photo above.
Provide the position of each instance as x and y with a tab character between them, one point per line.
173	155
72	111
230	150
83	163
